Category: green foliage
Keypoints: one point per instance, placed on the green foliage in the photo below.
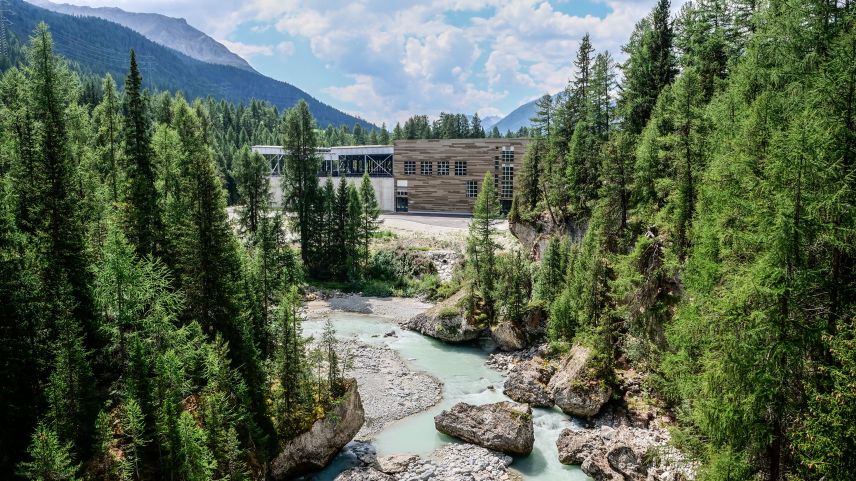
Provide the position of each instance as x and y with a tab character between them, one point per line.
51	459
253	184
481	249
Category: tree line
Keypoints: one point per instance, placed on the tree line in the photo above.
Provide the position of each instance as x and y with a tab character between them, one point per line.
141	336
706	211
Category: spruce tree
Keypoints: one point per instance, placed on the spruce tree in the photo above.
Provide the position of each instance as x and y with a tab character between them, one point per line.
369	217
251	177
300	180
108	120
144	218
481	247
51	458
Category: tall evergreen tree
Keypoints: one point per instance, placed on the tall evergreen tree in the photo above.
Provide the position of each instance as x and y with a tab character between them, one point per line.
144	218
482	246
251	177
300	181
369	216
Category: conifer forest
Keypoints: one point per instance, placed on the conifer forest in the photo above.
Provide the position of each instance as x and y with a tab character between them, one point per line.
694	214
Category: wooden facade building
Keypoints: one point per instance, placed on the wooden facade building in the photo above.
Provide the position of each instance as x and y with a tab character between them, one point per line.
446	175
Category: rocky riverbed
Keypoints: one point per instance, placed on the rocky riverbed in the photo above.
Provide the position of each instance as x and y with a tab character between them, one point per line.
390	390
453	462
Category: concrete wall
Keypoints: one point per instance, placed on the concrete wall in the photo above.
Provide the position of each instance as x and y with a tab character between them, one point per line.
384	188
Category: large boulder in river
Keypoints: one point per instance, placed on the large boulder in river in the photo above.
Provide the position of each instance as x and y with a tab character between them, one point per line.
314	449
618	454
446	322
527	382
574	389
504	426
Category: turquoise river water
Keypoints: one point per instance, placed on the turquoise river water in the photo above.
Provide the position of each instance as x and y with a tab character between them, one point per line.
465	378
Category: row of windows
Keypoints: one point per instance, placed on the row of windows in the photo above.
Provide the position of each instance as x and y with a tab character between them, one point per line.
427	167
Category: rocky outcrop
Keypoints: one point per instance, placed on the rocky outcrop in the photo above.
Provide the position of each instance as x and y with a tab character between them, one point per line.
452	462
445	322
503	426
574	390
508	337
527	382
314	449
623	454
534	234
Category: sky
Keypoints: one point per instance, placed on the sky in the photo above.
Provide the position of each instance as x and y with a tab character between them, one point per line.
387	60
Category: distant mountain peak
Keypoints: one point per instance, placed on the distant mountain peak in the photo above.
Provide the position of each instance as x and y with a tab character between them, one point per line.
171	32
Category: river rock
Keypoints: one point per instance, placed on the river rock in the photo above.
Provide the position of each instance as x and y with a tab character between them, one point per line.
508	337
618	454
573	390
365	473
314	449
504	426
445	322
396	463
527	382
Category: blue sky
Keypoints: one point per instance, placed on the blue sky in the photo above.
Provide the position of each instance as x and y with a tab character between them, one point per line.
387	60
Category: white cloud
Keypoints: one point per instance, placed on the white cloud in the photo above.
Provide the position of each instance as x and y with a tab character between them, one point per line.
394	59
285	48
248	51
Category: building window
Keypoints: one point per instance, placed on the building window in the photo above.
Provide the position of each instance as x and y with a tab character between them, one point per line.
409	167
460	167
508	154
401	192
472	188
425	168
443	167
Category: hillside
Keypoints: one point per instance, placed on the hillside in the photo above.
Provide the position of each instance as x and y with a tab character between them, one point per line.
174	33
105	50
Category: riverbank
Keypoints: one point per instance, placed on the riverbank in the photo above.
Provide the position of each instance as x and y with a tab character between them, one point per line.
390	389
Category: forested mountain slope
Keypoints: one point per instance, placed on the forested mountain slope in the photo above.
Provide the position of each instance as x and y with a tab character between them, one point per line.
98	47
174	33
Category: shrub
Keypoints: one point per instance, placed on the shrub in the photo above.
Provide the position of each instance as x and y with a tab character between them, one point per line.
448	312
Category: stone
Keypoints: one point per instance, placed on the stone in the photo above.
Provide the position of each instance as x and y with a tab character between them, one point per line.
573	391
504	426
396	463
619	454
314	449
527	382
365	473
508	337
437	323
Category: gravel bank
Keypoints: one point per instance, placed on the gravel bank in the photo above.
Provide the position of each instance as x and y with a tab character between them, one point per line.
395	309
390	390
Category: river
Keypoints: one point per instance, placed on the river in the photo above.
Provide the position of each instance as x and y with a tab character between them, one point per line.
465	378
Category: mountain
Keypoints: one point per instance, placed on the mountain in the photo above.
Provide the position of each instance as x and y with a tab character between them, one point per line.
489	121
519	117
96	46
170	32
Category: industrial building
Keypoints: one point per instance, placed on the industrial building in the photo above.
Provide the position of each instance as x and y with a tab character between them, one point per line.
437	176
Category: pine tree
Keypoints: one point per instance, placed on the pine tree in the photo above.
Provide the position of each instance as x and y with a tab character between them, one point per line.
543	120
144	218
354	235
476	129
369	216
291	364
51	459
108	120
253	183
383	138
134	429
481	247
300	181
